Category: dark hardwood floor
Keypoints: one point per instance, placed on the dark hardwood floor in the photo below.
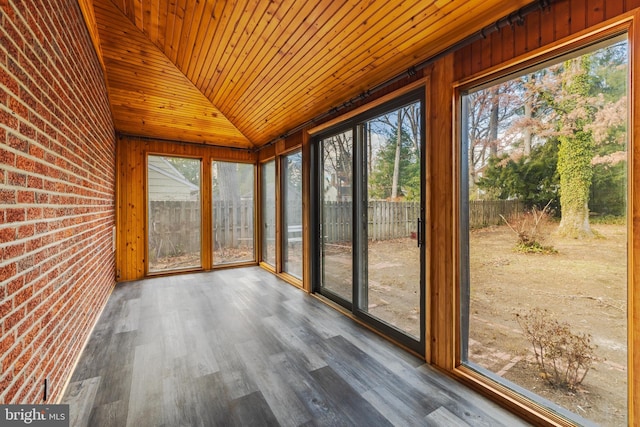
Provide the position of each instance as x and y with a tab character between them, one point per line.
242	348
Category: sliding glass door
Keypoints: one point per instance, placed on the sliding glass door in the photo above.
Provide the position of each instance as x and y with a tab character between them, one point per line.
369	186
336	214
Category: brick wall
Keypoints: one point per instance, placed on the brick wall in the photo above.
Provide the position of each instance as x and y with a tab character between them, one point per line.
57	180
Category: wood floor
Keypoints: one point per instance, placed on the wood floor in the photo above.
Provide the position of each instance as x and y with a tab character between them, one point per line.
242	348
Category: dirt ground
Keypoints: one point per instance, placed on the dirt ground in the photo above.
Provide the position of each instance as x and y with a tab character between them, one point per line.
583	284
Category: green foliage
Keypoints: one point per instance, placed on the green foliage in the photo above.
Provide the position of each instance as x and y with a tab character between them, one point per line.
535	248
533	180
609	219
381	179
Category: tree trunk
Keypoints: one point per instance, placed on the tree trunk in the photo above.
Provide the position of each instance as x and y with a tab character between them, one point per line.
493	123
526	133
575	154
396	164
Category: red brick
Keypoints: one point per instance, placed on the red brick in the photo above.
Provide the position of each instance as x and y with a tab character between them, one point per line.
22	296
15	141
14	215
6	157
7	271
13	319
5	308
8	196
7	234
13	251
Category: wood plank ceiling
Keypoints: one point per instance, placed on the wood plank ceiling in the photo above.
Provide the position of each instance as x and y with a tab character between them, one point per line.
241	73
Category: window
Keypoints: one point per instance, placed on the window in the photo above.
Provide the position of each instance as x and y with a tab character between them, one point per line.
269	212
292	214
232	211
368	205
173	195
544	235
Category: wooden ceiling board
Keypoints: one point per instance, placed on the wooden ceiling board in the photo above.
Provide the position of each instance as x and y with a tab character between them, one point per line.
340	45
392	56
149	96
265	66
267	72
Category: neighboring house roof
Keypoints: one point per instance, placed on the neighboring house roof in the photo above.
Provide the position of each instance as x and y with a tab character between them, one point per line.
166	183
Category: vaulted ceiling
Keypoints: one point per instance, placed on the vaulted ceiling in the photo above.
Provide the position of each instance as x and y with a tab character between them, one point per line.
241	73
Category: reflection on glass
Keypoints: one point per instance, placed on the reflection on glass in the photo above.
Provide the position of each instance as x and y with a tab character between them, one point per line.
391	292
546	304
173	186
292	212
269	212
232	211
337	204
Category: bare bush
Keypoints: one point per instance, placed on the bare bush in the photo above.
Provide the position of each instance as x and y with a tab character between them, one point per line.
564	358
532	229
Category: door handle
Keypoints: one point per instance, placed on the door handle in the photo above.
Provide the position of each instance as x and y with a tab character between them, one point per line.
418	233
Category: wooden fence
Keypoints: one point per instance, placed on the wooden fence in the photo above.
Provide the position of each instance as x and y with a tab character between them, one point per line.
483	213
175	226
233	224
386	220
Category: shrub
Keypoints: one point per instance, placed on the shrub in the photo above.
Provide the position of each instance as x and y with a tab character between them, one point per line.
563	357
531	228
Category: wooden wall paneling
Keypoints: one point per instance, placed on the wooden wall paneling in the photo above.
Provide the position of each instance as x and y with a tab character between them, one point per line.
485	53
520	33
595	12
533	32
613	9
131	196
631	4
206	212
578	11
508	42
547	34
496	48
562	19
462	62
440	248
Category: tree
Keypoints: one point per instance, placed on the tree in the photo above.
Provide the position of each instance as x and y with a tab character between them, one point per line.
577	147
396	158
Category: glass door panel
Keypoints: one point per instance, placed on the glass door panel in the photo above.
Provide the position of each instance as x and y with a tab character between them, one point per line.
292	214
173	196
232	209
269	213
390	290
336	215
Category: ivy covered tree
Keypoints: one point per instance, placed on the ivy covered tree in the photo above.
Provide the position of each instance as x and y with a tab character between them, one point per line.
565	139
577	147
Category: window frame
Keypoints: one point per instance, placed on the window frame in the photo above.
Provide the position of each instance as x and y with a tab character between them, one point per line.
203	258
352	121
523	402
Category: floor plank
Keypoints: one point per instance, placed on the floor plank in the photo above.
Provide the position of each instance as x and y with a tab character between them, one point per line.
239	347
